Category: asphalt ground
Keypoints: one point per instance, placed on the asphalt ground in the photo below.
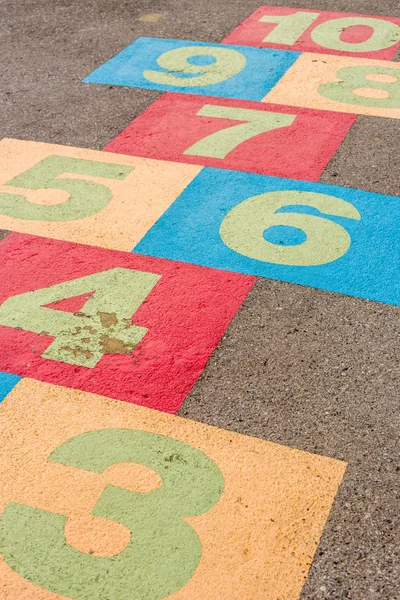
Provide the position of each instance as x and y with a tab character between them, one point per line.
305	368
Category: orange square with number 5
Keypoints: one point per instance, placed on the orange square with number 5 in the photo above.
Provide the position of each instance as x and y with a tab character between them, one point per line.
101	499
85	196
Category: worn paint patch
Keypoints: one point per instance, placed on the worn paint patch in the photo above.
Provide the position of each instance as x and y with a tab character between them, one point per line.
195	68
319	31
344	84
84	196
152	17
333	238
7	382
239	517
232	134
142	330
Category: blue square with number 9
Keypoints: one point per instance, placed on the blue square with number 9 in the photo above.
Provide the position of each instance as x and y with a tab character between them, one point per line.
196	68
332	238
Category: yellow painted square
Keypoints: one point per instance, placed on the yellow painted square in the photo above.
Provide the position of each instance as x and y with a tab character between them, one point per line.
300	85
137	201
257	541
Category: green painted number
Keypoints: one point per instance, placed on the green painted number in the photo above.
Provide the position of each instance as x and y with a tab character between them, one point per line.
164	550
228	63
288	27
244	226
86	197
219	144
358	80
104	324
384	34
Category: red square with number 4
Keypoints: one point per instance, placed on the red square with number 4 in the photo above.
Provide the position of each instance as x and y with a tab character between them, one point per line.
233	134
130	327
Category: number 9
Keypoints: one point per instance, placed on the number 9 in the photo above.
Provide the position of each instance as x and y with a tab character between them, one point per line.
242	230
227	64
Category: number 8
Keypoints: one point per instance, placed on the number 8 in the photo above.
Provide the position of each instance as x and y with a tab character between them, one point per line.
228	63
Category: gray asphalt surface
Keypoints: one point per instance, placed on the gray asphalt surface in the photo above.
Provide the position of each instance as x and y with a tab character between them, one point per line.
301	367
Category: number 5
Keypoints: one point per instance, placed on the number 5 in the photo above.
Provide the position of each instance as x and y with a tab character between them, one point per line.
219	144
86	197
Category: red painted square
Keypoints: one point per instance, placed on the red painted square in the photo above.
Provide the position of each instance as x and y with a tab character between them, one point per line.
252	32
186	314
171	125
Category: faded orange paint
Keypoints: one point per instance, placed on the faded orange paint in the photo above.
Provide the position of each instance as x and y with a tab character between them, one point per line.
138	200
258	541
299	86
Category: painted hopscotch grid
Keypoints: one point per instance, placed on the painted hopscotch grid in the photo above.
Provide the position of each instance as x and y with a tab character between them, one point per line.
82	447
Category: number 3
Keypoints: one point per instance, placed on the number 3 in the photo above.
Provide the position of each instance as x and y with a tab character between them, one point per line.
86	197
164	551
227	64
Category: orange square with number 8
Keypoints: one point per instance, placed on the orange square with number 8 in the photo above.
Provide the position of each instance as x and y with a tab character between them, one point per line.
101	499
85	196
341	83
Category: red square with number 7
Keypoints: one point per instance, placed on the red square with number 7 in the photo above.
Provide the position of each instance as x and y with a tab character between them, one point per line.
281	141
121	325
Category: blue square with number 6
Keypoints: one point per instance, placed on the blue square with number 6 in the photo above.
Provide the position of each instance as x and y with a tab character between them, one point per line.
196	68
328	237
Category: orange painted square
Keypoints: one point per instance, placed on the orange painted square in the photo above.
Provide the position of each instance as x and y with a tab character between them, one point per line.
257	541
137	202
299	86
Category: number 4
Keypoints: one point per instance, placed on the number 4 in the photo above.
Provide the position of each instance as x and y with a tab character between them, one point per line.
104	324
219	144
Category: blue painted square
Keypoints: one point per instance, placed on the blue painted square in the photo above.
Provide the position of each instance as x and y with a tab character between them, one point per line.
258	69
7	382
368	267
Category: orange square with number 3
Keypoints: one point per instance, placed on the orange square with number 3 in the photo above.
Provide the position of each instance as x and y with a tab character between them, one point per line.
102	499
85	196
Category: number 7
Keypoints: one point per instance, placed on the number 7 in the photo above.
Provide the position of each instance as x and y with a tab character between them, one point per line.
220	143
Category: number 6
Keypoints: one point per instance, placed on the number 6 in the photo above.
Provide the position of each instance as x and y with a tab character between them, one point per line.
243	228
